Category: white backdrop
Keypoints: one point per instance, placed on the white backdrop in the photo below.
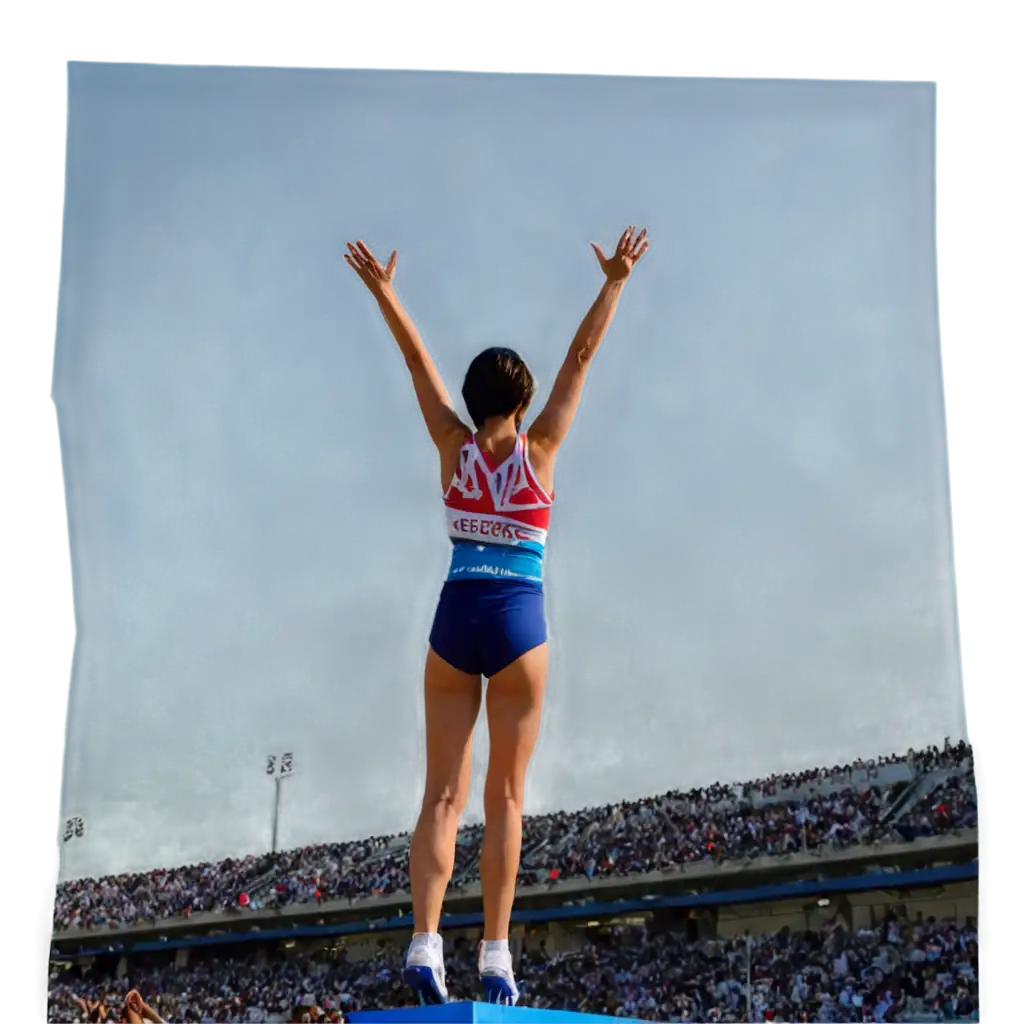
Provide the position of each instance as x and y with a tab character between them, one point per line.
751	537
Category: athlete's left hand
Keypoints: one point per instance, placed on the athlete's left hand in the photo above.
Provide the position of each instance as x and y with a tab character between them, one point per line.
371	273
627	253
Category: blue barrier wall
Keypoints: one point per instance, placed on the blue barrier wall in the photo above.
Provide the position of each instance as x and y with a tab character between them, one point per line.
727	897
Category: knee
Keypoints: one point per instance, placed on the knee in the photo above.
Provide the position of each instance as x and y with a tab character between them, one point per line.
445	801
503	798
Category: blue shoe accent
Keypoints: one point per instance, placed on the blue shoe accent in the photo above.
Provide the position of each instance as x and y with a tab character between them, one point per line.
497	990
421	981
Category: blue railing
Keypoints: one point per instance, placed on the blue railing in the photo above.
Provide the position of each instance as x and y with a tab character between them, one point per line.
758	894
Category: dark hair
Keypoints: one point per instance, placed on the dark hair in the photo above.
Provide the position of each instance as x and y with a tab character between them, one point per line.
498	383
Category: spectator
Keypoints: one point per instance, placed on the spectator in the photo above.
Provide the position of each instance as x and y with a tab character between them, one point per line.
833	975
813	810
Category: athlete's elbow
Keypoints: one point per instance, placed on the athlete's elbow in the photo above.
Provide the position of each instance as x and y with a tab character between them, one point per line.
584	356
415	360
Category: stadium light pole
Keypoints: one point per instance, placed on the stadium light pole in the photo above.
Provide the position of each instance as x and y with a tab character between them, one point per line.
750	1013
72	828
279	768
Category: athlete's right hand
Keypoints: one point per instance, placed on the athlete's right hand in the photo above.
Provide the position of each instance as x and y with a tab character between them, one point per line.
620	264
371	273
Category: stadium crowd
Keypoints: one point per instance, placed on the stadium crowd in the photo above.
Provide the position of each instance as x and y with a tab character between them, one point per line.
900	970
824	808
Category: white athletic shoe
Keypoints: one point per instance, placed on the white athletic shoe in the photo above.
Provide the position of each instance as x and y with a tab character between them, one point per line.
424	968
494	962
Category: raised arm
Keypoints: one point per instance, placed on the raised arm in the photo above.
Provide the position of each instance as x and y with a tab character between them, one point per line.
138	1010
552	424
443	423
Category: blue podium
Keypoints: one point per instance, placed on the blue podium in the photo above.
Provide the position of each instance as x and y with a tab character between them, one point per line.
479	1013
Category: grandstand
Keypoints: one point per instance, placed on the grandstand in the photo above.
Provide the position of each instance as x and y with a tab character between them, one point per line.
657	909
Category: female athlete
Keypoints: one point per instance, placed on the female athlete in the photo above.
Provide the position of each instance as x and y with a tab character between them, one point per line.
497	485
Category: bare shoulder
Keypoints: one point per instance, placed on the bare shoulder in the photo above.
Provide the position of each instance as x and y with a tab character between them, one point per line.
541	455
449	451
541	446
539	435
455	439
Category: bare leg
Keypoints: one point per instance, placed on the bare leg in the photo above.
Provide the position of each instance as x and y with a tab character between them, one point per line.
514	698
452	704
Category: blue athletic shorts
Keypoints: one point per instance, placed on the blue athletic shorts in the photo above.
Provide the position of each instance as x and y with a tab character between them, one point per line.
482	626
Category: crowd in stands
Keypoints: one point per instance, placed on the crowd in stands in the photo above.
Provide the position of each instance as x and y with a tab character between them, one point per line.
820	809
900	970
953	806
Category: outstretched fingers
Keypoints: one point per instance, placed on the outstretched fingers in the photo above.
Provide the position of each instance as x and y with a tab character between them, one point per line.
365	263
625	241
364	251
639	246
355	259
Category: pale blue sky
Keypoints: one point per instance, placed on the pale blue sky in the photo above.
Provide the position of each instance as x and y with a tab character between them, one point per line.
750	562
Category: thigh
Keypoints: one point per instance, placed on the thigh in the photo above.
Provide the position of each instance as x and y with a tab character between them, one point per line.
515	697
452	704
